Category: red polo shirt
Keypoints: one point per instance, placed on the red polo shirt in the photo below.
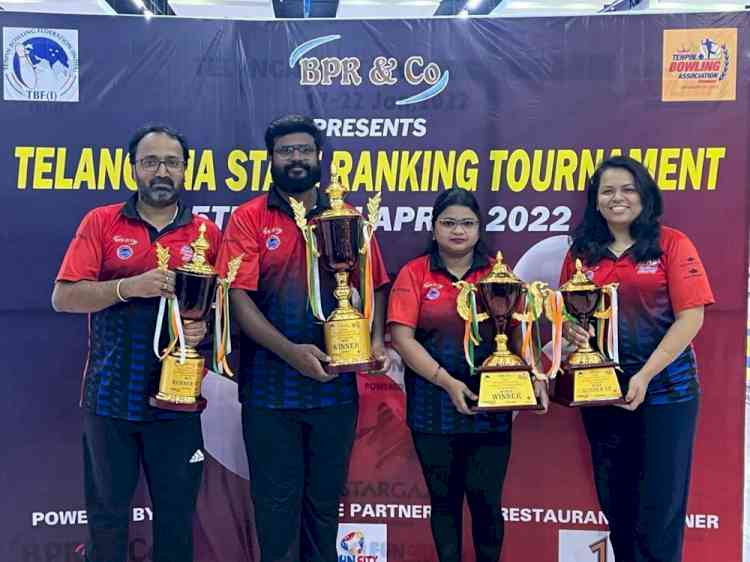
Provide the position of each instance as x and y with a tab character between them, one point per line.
273	270
113	242
423	297
650	294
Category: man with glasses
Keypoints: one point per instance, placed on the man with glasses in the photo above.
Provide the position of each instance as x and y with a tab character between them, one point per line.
298	421
110	273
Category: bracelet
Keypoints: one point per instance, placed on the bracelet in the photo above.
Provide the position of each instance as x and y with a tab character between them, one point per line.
435	374
117	291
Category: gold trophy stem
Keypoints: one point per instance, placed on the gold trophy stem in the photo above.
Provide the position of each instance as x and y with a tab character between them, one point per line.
343	292
501	344
502	356
585	355
586	347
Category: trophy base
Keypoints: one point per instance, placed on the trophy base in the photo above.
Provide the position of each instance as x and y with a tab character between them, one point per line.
180	383
371	365
198	406
587	385
505	389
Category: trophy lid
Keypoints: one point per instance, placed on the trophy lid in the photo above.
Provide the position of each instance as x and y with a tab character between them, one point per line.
579	281
335	193
198	263
500	273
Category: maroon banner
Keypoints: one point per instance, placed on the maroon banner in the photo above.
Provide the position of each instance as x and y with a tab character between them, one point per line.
517	110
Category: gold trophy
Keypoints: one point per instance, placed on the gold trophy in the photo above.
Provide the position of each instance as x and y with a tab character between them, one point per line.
506	380
195	292
340	237
588	378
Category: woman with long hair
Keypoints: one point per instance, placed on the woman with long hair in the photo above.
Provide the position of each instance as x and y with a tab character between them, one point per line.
642	450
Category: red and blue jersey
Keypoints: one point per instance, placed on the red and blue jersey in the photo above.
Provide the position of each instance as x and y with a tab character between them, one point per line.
274	271
423	297
113	242
650	294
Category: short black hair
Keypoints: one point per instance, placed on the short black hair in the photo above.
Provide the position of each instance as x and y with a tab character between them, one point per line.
162	130
591	238
292	124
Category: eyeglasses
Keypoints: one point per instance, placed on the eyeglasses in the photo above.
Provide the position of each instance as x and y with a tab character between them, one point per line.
152	163
451	224
287	151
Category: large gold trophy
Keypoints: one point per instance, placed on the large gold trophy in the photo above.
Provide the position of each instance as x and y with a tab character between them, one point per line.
506	380
340	239
195	292
588	377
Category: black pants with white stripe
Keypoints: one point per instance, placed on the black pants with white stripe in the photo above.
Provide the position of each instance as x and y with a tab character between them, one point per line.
113	452
641	462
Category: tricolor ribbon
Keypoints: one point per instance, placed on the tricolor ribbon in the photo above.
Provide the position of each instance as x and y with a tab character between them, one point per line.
174	323
313	274
222	336
613	348
366	280
600	329
222	324
555	310
365	273
541	299
311	259
471	331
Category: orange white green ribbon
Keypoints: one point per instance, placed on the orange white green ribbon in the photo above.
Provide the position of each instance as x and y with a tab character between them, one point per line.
311	259
313	273
366	280
532	310
222	336
555	308
365	273
174	322
613	348
222	325
471	330
541	299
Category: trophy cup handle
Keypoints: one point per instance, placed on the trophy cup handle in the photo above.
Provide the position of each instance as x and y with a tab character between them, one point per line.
463	302
162	257
523	316
538	291
463	306
609	290
299	213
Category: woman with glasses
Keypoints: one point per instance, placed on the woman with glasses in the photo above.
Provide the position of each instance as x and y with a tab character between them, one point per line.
642	451
463	453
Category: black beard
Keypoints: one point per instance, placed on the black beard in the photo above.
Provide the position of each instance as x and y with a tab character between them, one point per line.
158	198
289	184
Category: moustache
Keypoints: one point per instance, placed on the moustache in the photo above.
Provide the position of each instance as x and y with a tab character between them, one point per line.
157	182
291	165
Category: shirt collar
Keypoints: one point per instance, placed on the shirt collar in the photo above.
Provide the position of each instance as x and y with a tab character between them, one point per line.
480	259
130	210
276	200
